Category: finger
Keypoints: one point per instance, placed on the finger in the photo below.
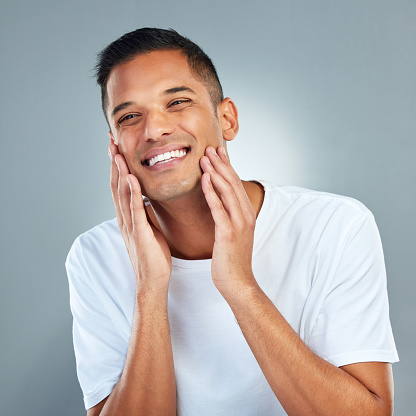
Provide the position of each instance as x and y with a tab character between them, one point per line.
123	191
228	197
222	188
113	150
114	177
139	217
221	163
226	191
218	212
222	153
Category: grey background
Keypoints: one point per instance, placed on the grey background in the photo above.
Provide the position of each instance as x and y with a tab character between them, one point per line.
326	93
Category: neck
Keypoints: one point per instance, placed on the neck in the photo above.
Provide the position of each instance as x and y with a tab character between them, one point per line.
187	222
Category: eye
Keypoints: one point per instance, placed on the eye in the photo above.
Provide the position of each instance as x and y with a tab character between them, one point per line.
128	119
178	102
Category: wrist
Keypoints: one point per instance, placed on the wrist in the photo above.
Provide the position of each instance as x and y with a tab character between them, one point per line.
239	291
148	297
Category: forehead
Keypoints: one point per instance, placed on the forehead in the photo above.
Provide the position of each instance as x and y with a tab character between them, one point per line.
150	72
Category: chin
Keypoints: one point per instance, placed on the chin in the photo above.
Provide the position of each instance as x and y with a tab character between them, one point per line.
171	191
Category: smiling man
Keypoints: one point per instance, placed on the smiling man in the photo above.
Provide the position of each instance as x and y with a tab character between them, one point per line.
209	295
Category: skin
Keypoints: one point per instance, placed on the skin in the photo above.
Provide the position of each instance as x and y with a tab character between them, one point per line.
201	209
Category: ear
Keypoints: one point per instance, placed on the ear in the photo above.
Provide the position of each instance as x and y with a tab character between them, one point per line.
111	137
228	116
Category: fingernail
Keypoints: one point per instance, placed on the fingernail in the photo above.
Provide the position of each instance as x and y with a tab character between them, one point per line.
128	180
109	154
115	160
213	151
223	151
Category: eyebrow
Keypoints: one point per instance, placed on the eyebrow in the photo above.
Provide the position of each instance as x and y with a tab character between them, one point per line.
169	91
174	90
120	107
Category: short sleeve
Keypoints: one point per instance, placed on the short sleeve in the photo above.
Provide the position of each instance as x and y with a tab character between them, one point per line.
353	324
100	351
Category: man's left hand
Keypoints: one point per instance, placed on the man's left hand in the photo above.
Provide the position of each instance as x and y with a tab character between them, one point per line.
235	220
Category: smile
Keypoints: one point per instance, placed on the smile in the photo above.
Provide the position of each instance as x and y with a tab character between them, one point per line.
166	157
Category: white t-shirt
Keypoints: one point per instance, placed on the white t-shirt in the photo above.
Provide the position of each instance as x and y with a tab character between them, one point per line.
317	256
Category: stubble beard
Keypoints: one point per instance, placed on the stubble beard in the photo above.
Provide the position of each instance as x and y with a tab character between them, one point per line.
171	189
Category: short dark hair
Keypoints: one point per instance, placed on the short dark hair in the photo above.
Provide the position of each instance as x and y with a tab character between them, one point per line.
145	40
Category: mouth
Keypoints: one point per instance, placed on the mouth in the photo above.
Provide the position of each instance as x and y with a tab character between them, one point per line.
166	157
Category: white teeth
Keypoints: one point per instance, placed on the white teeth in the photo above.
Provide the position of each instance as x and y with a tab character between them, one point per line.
164	157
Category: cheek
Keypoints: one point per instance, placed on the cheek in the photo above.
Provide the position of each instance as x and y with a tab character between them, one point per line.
204	131
126	149
126	140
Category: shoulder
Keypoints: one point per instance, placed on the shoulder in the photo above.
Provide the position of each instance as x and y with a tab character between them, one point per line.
292	213
291	194
97	241
301	202
99	235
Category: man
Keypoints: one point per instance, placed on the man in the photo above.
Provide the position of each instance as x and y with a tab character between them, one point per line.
217	296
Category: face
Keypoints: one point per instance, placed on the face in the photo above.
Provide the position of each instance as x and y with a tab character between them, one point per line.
162	119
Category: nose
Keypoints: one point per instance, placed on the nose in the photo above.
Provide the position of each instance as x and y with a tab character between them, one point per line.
157	126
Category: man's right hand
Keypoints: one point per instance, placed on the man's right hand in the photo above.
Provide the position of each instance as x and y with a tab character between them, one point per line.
147	383
148	250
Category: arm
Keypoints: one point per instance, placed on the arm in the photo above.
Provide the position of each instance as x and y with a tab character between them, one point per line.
303	382
147	384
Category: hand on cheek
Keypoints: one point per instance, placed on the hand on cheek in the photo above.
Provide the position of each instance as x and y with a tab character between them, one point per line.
234	219
147	248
